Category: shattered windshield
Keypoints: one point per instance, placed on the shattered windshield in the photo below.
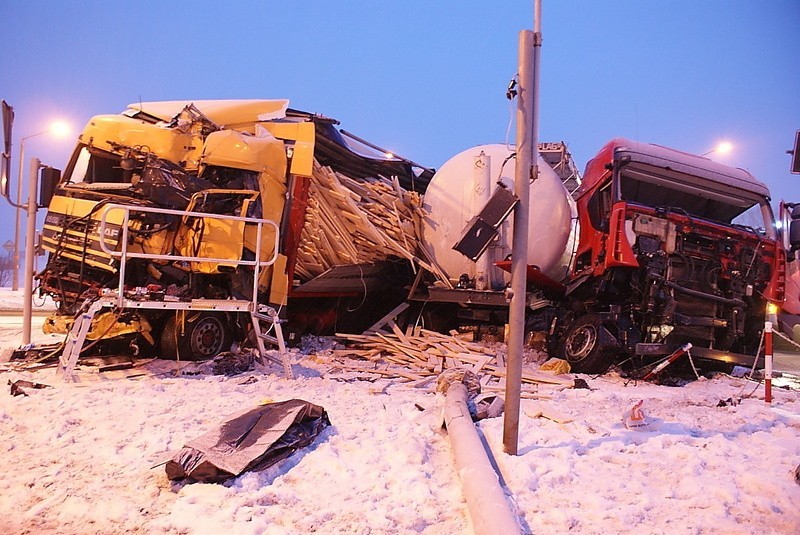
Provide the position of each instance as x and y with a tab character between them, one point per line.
95	167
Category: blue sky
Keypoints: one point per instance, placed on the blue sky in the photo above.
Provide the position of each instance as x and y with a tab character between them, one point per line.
425	79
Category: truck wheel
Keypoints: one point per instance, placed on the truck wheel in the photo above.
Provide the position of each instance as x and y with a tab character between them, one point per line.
580	346
200	337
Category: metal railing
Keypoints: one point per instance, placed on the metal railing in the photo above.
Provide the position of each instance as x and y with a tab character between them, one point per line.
124	255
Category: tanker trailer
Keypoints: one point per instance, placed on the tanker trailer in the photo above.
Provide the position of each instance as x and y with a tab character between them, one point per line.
467	235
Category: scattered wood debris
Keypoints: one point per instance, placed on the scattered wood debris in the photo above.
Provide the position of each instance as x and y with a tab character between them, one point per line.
351	221
419	357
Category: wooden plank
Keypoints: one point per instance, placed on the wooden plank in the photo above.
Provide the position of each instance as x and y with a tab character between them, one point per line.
536	410
389	316
399	333
482	361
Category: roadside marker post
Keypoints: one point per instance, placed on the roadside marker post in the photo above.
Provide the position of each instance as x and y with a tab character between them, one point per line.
768	361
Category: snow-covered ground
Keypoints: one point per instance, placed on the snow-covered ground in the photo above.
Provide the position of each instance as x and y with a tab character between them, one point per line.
84	457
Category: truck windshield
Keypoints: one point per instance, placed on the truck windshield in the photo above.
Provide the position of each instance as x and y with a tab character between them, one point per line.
92	166
696	197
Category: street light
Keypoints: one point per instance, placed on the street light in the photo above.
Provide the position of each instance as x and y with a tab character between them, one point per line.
59	129
723	147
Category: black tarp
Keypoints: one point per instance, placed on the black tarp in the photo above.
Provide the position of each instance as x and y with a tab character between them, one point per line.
250	440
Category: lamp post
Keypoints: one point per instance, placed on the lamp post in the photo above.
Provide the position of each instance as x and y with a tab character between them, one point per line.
525	172
27	309
58	129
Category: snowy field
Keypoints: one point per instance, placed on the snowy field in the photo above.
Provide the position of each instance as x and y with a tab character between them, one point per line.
84	457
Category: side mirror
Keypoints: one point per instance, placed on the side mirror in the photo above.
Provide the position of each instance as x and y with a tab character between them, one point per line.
794	234
794	230
49	179
795	169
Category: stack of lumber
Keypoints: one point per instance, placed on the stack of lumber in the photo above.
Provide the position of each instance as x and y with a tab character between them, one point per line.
351	221
420	357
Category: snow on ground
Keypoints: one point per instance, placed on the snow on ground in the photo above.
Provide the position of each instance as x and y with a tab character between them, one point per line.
11	300
83	457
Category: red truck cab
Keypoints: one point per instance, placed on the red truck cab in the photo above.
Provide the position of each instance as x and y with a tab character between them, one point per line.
673	248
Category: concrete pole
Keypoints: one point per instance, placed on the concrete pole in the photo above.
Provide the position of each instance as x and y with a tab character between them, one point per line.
525	172
30	237
486	501
519	246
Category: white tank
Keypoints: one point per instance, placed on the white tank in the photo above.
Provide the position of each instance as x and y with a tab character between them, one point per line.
461	188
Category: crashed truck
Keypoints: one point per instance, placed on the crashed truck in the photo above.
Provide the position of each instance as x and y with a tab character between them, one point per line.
655	248
176	222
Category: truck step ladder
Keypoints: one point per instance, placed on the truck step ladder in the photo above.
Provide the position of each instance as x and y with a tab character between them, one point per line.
265	319
74	342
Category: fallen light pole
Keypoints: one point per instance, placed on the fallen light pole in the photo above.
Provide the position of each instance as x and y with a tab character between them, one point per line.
486	501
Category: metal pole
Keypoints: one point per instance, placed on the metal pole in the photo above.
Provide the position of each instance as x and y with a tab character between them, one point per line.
18	209
17	217
525	172
123	259
29	251
519	246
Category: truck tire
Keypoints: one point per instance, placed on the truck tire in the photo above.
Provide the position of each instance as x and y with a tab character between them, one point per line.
202	336
580	346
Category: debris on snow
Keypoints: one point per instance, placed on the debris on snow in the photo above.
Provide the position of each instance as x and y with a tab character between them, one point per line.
254	439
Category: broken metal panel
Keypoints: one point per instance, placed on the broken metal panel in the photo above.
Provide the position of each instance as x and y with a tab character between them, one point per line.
482	229
213	237
270	159
113	324
228	148
279	287
109	132
232	114
301	144
104	325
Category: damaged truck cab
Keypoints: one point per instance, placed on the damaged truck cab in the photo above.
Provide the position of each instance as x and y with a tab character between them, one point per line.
142	172
673	248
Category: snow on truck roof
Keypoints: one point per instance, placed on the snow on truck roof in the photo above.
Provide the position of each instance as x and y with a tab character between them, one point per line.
690	164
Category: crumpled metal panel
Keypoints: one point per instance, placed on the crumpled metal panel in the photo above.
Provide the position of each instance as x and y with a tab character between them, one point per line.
106	131
227	113
229	148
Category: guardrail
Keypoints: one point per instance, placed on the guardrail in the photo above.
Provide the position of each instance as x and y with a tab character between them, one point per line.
124	255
